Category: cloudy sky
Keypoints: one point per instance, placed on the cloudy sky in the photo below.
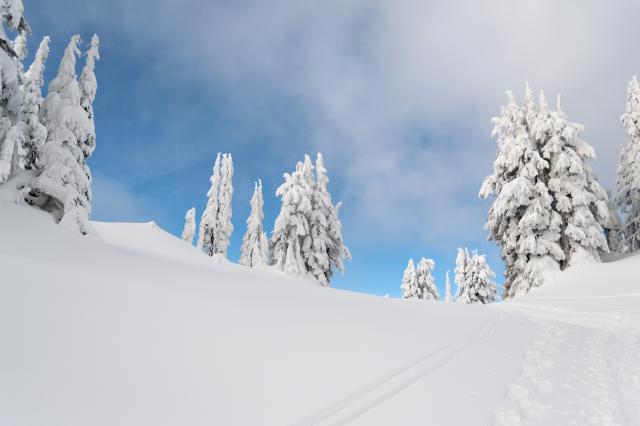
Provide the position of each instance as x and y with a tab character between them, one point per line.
396	94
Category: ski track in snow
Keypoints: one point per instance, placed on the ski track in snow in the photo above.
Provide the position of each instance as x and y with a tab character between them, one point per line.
390	385
596	373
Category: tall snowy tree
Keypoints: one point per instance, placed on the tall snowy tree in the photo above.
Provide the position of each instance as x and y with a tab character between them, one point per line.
578	197
447	288
189	226
35	131
289	238
628	197
478	284
214	235
326	246
88	89
409	285
522	220
63	185
424	277
206	233
225	227
11	136
255	245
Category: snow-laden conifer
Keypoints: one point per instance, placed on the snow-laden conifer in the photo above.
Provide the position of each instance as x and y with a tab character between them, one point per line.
424	278
88	88
255	244
521	219
613	232
461	271
327	249
478	284
447	288
35	131
289	237
628	197
578	197
210	213
11	136
189	229
63	185
409	285
224	227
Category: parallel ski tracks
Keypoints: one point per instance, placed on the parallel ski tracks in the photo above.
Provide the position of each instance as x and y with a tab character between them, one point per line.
386	387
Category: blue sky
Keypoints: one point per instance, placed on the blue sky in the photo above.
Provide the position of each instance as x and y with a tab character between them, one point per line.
397	96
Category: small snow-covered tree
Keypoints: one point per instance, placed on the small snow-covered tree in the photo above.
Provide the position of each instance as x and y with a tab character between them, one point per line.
409	285
478	285
461	272
424	277
254	244
447	288
189	229
289	238
327	249
11	135
628	197
63	185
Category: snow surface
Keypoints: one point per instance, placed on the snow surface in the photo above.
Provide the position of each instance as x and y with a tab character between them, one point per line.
135	327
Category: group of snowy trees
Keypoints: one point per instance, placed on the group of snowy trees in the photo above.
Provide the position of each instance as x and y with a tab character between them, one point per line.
307	236
45	143
473	276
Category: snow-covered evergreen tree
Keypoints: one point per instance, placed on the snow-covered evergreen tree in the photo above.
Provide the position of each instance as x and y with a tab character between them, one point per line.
578	197
88	88
628	197
189	229
11	135
461	272
224	225
291	229
447	288
327	250
255	245
522	220
424	277
214	235
35	131
409	285
206	232
478	285
63	185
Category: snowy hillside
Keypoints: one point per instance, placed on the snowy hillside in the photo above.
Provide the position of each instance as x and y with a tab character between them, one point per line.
134	327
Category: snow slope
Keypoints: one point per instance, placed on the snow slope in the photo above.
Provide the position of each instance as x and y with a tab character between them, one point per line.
138	328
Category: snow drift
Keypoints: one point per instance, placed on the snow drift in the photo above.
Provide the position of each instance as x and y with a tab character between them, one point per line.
135	327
